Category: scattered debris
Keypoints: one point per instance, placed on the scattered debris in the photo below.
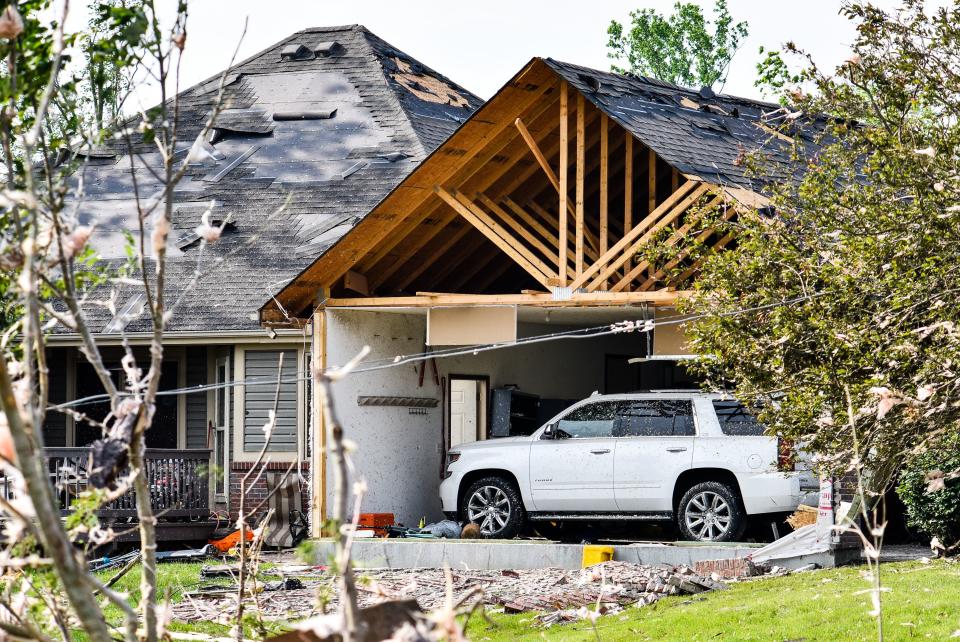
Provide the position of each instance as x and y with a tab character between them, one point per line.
803	516
558	593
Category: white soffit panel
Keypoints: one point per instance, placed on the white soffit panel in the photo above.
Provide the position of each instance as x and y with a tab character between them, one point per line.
471	325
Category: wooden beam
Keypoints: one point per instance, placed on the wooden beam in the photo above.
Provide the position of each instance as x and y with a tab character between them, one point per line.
533	223
537	153
562	186
434	256
604	179
318	451
474	162
627	185
651	181
517	227
602	264
679	234
667	218
581	167
693	268
459	259
497	235
588	299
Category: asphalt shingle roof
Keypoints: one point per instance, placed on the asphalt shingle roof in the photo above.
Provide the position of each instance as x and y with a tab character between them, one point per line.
290	185
698	133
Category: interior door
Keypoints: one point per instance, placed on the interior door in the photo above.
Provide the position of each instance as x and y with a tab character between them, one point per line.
221	428
654	445
464	411
574	470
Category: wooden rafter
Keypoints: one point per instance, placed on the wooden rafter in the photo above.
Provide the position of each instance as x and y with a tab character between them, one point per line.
471	244
518	227
616	256
385	229
497	235
685	252
668	217
719	245
604	180
562	185
478	161
434	256
627	184
581	161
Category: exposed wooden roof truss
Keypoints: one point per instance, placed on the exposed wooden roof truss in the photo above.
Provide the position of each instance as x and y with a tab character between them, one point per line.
540	191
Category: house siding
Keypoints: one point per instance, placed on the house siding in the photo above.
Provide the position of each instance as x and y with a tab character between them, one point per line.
259	400
196	419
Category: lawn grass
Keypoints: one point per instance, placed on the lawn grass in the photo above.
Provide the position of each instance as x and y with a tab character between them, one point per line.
173	580
923	603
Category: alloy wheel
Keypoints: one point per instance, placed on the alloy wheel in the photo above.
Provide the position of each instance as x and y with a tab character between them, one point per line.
708	516
489	507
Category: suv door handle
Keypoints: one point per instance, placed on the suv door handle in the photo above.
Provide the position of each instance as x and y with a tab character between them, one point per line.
676	449
600	451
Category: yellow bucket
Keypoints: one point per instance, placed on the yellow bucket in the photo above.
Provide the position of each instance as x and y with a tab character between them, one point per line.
596	554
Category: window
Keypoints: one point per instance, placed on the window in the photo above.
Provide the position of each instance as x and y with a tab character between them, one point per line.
655	418
589	421
164	428
735	419
259	399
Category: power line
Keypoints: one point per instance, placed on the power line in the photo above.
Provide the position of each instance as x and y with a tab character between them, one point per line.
621	327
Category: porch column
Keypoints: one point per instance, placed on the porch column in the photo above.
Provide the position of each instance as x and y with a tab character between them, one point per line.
318	459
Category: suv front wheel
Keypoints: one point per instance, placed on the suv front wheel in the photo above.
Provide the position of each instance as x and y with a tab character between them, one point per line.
494	504
710	512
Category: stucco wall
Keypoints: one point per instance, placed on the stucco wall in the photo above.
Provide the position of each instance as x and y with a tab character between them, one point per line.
400	453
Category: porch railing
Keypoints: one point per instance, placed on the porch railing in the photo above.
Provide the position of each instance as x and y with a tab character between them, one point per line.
178	479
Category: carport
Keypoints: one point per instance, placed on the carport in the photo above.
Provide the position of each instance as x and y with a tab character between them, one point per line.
531	219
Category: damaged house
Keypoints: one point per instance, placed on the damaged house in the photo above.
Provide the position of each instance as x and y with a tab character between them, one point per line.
315	131
523	227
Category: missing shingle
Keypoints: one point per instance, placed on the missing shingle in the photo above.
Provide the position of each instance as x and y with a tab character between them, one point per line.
313	114
590	81
296	51
411	76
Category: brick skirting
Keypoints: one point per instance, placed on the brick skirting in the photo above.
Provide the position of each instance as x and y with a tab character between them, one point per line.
257	490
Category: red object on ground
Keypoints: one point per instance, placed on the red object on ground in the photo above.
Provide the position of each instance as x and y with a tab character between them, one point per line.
377	522
226	543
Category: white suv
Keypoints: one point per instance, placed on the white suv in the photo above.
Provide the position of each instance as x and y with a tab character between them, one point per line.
701	459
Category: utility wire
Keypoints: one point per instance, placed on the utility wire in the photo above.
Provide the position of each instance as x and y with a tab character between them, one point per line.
621	327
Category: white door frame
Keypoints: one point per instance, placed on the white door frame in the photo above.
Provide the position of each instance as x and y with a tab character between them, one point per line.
221	423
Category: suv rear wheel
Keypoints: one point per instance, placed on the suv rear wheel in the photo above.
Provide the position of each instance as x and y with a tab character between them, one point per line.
494	504
710	512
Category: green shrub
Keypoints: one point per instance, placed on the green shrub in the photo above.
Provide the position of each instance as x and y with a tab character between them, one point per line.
935	513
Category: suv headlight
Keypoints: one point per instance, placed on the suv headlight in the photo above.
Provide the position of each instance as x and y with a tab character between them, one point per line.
452	456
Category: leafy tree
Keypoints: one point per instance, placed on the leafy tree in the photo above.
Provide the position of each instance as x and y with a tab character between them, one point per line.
680	48
852	347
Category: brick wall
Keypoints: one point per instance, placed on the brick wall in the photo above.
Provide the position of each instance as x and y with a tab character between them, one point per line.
257	486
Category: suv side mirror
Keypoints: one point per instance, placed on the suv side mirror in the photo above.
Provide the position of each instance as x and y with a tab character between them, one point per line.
548	433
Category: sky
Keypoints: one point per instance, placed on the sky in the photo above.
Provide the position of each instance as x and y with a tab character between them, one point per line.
480	45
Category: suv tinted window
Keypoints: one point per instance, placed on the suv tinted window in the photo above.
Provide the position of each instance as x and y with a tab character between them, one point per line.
735	419
655	418
591	420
